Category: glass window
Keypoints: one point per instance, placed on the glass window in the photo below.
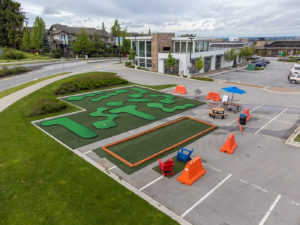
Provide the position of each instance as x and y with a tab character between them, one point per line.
148	46
206	46
177	46
142	49
190	46
183	46
142	62
175	69
134	46
197	46
149	63
201	46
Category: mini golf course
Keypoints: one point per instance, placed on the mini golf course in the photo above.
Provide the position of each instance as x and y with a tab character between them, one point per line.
111	112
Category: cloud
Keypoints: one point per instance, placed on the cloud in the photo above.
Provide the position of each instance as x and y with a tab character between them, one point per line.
205	18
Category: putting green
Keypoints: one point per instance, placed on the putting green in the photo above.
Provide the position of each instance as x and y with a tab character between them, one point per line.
169	99
109	95
115	103
161	106
131	109
104	124
138	95
71	125
81	97
140	100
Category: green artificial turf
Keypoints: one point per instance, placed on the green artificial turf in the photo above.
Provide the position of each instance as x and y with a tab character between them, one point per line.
132	114
178	167
44	183
139	148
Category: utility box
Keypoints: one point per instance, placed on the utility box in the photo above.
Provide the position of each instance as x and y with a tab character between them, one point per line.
251	67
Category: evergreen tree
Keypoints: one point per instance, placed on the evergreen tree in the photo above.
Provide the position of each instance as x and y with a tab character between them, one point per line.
26	39
116	29
149	32
199	64
171	61
36	34
45	46
103	27
82	44
11	22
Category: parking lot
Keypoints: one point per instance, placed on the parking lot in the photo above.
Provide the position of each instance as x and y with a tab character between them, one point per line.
258	184
275	74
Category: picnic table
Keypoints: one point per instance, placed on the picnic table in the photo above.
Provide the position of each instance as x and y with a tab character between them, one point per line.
232	106
217	112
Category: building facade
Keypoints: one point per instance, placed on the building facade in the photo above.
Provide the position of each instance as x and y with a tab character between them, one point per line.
152	52
276	48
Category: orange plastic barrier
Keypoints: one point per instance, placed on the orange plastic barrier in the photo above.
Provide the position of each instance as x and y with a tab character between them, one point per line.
192	171
246	111
229	145
215	96
180	89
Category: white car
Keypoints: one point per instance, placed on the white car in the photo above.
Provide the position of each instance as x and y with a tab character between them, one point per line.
294	76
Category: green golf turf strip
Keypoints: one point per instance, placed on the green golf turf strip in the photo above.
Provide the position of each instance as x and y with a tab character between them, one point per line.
71	125
115	103
161	106
140	100
168	99
141	147
178	167
131	109
109	95
139	95
81	97
103	124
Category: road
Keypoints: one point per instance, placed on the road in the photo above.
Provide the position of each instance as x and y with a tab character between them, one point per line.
48	69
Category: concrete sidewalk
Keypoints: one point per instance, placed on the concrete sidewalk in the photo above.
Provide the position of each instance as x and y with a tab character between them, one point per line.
12	98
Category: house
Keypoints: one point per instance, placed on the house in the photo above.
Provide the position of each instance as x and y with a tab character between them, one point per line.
57	33
152	52
276	48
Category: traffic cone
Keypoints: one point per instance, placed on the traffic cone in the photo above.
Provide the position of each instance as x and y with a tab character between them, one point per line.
246	111
229	145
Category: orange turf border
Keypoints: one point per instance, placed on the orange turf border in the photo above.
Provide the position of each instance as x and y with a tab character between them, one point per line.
105	148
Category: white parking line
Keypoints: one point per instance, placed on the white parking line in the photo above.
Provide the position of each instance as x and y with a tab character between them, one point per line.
152	182
205	196
264	219
283	111
111	168
250	111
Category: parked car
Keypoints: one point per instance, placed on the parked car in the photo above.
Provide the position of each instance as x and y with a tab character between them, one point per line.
294	74
260	64
265	60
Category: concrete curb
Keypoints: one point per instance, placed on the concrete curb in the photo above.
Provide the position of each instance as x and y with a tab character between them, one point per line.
290	140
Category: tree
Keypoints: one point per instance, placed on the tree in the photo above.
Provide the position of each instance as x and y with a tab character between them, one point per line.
297	52
230	55
45	46
11	23
116	29
37	31
131	54
199	64
82	44
26	39
103	27
284	53
149	32
98	44
171	61
247	52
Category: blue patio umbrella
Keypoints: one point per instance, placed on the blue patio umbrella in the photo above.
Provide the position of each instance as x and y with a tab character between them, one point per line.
234	90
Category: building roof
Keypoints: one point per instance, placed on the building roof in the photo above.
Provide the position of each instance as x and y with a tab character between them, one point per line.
58	28
286	44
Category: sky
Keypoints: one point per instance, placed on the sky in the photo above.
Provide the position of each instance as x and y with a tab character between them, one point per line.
216	18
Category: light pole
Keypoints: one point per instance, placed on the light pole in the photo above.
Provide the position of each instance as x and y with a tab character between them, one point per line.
135	48
191	38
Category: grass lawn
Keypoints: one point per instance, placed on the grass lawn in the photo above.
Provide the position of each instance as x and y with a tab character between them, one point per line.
22	86
297	138
42	182
124	122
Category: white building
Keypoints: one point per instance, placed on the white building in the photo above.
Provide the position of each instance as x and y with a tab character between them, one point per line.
152	52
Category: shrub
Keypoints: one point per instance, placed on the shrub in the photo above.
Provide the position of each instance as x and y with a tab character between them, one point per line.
10	53
259	68
91	81
203	78
47	105
5	71
128	64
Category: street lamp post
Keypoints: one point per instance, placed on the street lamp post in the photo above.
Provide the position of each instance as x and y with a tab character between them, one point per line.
135	49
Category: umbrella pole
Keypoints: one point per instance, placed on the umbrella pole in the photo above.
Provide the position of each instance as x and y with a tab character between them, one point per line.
232	97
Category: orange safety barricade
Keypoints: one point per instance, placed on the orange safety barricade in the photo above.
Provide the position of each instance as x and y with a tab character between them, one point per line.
246	111
180	89
229	145
215	96
192	171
